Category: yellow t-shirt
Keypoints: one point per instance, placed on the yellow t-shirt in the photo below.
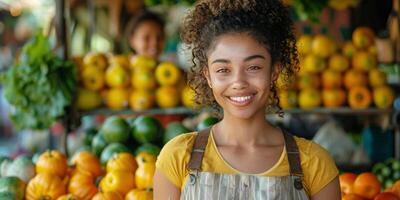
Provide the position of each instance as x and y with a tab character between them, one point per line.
318	167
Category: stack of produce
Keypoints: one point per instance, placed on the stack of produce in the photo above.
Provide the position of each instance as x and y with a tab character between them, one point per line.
366	186
335	77
140	83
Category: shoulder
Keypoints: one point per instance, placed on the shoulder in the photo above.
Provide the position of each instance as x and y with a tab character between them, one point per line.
310	150
317	164
181	142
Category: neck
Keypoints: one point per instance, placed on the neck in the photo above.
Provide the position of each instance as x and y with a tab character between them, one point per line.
243	132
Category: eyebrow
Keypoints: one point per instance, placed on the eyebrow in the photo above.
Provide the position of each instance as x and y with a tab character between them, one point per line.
246	59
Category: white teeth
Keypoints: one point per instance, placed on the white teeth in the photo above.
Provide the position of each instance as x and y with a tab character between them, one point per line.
240	99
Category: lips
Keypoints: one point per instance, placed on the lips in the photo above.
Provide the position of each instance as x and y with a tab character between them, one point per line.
241	100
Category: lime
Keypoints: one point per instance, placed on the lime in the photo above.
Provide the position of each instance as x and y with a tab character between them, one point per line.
98	144
147	129
115	129
174	129
207	122
110	150
89	135
149	148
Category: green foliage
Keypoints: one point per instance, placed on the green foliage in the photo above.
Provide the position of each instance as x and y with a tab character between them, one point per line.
309	9
39	87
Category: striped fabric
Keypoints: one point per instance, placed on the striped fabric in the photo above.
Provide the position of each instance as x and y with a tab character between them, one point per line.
210	186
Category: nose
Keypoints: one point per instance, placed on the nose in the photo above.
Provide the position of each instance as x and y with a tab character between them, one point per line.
239	81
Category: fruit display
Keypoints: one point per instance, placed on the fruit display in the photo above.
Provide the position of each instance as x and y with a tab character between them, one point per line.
120	163
140	83
367	186
332	75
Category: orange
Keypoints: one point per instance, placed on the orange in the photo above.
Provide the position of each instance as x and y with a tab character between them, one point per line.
287	99
376	78
331	79
308	80
338	62
141	100
352	197
167	97
309	98
333	98
346	182
353	78
396	188
323	46
143	63
364	61
366	185
144	79
93	78
117	98
348	49
383	96
313	64
363	37
117	76
118	181
120	60
386	196
97	60
359	97
304	44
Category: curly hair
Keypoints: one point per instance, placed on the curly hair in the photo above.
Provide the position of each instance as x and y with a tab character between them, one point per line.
267	21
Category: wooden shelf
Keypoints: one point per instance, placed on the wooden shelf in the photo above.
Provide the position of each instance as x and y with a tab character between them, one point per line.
184	110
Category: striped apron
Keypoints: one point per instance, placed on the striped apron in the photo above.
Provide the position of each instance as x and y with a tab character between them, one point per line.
218	186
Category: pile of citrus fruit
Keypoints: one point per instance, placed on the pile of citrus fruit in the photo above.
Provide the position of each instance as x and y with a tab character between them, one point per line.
118	162
366	186
139	83
333	76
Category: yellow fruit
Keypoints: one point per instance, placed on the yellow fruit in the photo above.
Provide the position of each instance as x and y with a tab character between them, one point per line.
287	99
376	78
118	181
188	95
167	97
167	74
308	80
364	61
117	76
97	60
331	79
143	62
88	99
117	98
304	44
121	60
383	96
313	64
338	63
333	98
353	78
93	78
359	97
141	100
144	80
363	37
323	46
309	98
348	49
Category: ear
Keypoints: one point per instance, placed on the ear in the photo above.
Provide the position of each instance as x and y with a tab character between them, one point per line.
276	69
206	74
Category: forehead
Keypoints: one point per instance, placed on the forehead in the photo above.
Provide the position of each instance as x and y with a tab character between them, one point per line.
148	26
236	45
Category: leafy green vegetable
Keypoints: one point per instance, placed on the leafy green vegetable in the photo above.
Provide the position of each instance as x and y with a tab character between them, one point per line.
39	87
309	9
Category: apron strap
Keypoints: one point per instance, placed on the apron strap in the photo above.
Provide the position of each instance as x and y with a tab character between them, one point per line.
293	154
198	149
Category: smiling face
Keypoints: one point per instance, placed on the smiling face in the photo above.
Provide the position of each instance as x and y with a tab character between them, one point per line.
239	73
148	39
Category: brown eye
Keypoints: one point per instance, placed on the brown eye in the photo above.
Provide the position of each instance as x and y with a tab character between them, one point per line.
254	67
223	70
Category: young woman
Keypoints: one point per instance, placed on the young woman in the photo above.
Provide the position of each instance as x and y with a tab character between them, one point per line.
239	48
